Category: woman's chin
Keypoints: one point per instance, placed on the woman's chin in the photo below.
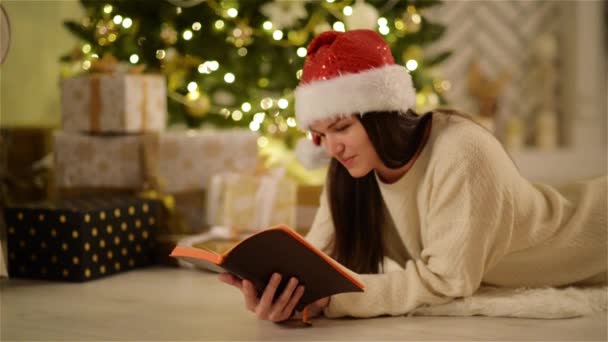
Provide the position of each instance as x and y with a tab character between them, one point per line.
357	172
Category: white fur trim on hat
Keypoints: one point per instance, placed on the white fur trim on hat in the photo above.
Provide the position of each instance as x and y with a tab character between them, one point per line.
388	88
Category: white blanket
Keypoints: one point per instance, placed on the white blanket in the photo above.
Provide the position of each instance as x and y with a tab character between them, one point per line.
547	303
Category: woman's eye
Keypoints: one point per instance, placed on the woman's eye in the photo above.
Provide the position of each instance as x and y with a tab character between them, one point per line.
342	128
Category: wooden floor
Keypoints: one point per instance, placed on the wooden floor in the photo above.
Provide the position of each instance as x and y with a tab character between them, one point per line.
178	304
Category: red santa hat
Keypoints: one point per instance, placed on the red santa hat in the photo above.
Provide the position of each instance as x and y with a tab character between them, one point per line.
351	72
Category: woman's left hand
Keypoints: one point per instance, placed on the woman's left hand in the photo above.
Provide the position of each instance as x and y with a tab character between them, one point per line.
264	307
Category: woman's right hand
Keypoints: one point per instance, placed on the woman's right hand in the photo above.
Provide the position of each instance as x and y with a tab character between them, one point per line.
283	306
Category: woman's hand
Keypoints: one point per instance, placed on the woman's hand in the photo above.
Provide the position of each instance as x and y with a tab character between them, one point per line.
283	306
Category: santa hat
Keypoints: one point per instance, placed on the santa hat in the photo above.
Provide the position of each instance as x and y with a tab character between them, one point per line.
350	72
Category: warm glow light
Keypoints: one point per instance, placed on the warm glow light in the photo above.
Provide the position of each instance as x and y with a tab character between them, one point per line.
193	95
411	65
339	26
283	103
267	25
160	54
117	19
187	35
301	52
229	77
277	35
384	30
232	12
196	26
214	65
266	103
382	21
254	126
134	58
86	65
204	68
347	11
416	18
262	142
219	24
107	9
127	22
259	117
237	115
192	86
291	122
246	107
86	48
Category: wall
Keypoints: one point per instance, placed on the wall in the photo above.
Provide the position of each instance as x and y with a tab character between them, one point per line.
29	92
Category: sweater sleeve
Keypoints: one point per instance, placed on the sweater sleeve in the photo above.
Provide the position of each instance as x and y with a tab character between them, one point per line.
465	219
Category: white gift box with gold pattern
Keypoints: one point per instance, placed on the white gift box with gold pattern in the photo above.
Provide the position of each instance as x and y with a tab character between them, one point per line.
180	161
114	103
248	203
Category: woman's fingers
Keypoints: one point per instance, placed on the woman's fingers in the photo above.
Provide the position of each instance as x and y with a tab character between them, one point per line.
265	303
278	308
230	280
293	301
251	296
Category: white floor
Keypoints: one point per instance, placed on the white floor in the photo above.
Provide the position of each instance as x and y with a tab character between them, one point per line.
178	304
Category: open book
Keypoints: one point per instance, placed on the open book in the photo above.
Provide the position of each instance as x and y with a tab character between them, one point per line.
278	249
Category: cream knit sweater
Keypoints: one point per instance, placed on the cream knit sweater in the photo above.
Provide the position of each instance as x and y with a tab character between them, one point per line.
463	216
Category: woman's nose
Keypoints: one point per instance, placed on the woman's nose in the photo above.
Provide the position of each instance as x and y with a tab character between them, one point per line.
334	146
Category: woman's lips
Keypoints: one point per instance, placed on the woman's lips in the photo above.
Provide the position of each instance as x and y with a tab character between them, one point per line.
348	162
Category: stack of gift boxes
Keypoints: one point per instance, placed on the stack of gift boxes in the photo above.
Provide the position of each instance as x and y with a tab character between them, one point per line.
120	180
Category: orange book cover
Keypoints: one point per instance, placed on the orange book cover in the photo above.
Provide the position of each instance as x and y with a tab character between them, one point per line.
278	249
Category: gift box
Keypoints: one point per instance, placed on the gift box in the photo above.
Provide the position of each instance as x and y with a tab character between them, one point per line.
249	203
114	102
81	239
98	161
177	161
173	164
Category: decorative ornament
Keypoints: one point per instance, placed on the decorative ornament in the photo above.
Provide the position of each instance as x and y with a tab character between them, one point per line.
185	3
364	16
199	107
168	34
284	13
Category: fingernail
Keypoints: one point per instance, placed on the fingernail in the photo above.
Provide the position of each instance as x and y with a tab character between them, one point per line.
276	277
293	281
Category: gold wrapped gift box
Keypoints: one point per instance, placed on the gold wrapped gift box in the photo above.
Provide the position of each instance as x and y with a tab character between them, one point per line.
114	102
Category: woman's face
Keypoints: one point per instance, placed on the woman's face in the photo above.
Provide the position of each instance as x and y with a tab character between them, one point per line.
346	140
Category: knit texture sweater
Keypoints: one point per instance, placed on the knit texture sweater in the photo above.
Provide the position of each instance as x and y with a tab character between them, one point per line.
462	216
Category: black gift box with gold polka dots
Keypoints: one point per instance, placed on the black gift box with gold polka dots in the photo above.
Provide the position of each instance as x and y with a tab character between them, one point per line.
81	239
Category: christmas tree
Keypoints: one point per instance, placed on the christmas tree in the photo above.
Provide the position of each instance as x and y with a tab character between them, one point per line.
232	63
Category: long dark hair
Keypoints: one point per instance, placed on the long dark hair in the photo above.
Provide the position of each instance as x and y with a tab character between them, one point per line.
356	203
